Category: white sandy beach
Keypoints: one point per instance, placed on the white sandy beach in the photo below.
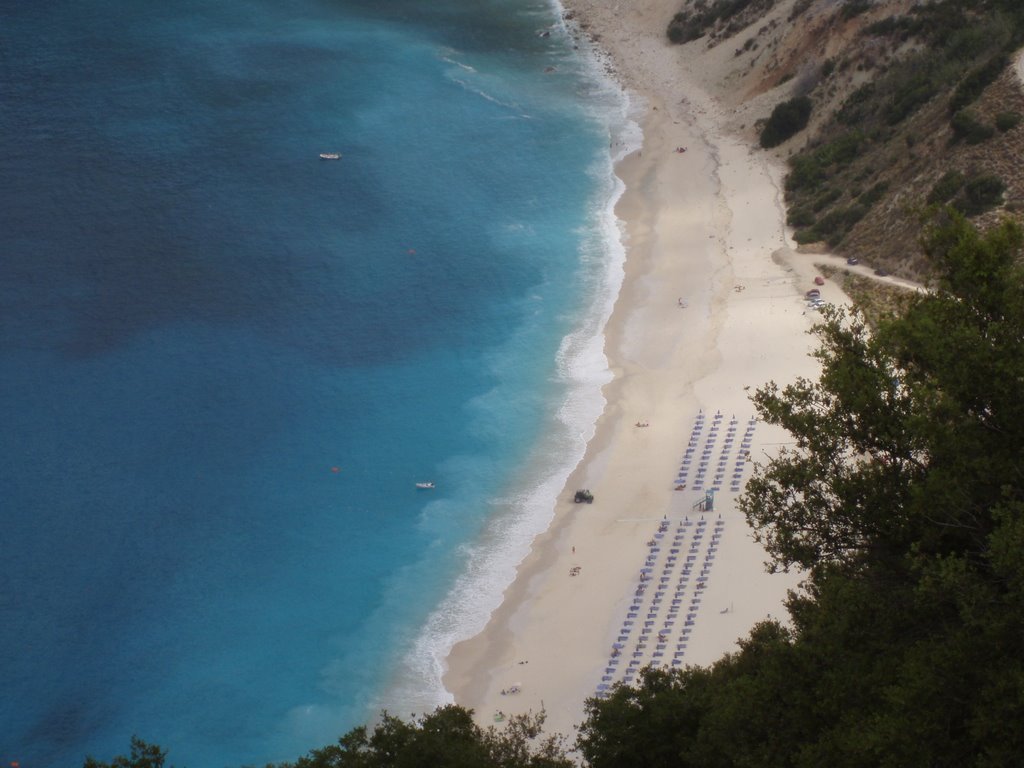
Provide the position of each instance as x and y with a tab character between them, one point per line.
705	226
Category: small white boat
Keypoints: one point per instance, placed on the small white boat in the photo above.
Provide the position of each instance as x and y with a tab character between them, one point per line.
425	486
330	156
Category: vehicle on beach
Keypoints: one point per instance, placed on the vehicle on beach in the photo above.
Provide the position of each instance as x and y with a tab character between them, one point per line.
584	497
425	486
330	156
819	280
814	293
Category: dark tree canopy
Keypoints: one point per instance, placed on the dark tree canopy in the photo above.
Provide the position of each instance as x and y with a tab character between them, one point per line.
446	738
142	755
787	119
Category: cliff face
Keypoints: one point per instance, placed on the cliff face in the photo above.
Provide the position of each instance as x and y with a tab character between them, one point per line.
906	94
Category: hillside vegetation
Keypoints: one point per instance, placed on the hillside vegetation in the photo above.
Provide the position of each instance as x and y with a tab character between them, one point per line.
912	104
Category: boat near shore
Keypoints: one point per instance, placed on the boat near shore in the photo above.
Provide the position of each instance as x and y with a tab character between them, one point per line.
330	156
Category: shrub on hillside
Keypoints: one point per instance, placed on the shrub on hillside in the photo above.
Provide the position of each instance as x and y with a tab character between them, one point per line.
800	217
808	171
981	193
976	81
853	8
686	27
799	7
836	223
787	119
968	127
1006	121
825	199
947	186
683	29
917	89
874	194
855	107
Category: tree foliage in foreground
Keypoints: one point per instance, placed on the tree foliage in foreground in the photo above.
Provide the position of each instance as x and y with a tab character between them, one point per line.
142	755
447	738
902	500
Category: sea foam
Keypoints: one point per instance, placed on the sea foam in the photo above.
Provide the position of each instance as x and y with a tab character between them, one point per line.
488	564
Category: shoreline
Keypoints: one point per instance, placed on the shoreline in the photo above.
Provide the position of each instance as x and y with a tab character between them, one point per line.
706	228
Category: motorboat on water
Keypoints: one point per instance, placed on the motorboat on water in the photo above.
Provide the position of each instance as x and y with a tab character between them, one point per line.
330	156
425	486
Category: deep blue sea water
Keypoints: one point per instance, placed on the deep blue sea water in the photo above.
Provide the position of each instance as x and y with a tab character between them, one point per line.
224	363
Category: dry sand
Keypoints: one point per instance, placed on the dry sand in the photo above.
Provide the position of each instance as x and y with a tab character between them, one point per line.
705	226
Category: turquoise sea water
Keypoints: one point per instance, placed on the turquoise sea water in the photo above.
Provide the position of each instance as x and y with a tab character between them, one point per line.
224	363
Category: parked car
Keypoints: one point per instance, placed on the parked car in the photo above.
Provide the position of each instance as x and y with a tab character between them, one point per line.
881	273
853	261
819	280
813	293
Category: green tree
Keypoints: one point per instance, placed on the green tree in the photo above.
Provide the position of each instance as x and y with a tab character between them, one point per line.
786	119
446	738
905	483
142	755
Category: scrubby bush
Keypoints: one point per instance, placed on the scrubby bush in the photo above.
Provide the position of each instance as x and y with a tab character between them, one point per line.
787	119
947	186
976	81
916	90
808	171
834	225
1006	121
808	235
800	217
980	193
890	26
874	194
853	8
799	7
825	199
968	127
683	28
855	106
